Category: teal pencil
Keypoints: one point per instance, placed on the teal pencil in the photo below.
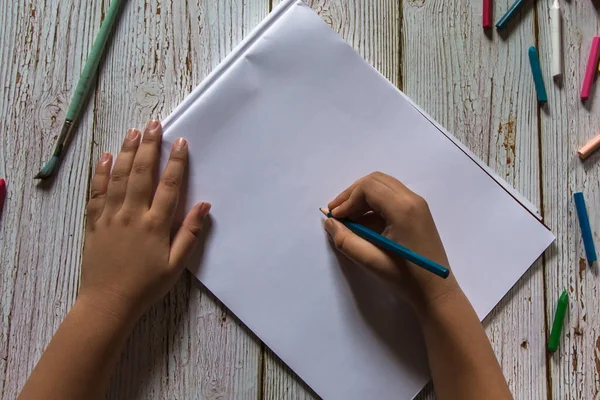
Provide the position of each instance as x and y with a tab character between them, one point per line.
83	89
390	245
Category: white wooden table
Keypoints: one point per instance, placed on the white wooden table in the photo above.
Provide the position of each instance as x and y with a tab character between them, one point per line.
190	346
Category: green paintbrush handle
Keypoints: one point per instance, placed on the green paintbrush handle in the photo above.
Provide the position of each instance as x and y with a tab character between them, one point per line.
91	66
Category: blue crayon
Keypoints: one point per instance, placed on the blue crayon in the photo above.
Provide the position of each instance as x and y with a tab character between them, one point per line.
584	224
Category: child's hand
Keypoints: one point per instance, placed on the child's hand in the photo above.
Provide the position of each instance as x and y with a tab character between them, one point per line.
129	259
387	206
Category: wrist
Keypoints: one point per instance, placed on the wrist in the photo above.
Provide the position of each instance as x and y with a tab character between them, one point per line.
437	304
108	307
433	297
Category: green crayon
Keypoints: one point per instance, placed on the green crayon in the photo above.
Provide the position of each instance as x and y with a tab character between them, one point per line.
561	309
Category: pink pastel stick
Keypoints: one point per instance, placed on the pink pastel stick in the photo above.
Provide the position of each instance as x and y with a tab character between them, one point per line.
592	66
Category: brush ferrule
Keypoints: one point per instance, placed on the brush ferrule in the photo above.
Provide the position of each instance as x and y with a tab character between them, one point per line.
63	138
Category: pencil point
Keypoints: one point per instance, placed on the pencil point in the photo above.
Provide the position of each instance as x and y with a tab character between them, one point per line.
324	211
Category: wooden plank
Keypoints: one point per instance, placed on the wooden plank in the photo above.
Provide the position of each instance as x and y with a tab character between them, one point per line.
574	370
372	27
481	90
43	46
188	346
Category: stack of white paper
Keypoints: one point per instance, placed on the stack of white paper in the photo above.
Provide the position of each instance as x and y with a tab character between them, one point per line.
289	120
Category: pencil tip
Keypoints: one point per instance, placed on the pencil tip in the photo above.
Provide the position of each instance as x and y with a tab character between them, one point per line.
49	168
324	211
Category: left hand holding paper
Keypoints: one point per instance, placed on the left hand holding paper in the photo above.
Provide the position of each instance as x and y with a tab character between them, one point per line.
130	260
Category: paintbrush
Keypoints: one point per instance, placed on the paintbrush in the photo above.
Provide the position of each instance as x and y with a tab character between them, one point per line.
82	90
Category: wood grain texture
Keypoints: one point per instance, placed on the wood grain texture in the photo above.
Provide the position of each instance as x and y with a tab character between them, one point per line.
188	346
43	46
372	27
479	87
574	370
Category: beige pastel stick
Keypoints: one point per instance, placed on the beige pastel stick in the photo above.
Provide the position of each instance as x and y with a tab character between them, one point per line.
589	148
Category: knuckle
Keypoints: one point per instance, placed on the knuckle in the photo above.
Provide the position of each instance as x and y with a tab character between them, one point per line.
369	180
171	182
150	139
96	194
101	171
195	229
91	209
124	218
413	204
368	262
419	203
340	241
128	146
154	223
178	156
141	168
119	176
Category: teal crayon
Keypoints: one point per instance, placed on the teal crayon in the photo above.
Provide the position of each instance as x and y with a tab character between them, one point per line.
538	79
391	246
511	11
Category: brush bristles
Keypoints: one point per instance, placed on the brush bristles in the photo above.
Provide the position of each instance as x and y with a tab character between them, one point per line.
48	169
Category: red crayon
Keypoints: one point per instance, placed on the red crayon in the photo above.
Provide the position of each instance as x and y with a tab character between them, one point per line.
2	193
487	14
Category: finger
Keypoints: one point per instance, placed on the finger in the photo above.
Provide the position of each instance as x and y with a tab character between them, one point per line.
167	193
187	236
342	197
117	186
99	187
368	195
141	181
391	182
361	251
372	221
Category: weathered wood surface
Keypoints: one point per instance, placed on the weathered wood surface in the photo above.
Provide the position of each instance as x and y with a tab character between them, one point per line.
574	370
189	346
42	48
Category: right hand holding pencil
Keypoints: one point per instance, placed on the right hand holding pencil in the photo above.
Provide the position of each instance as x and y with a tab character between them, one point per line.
385	205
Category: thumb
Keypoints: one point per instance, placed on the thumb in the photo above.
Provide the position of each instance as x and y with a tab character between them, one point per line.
186	238
359	250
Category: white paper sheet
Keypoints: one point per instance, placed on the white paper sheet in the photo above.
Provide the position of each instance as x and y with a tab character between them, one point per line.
284	124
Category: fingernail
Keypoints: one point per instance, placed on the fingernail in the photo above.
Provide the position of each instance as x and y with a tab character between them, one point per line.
179	144
204	209
333	211
132	134
330	226
104	157
153	125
